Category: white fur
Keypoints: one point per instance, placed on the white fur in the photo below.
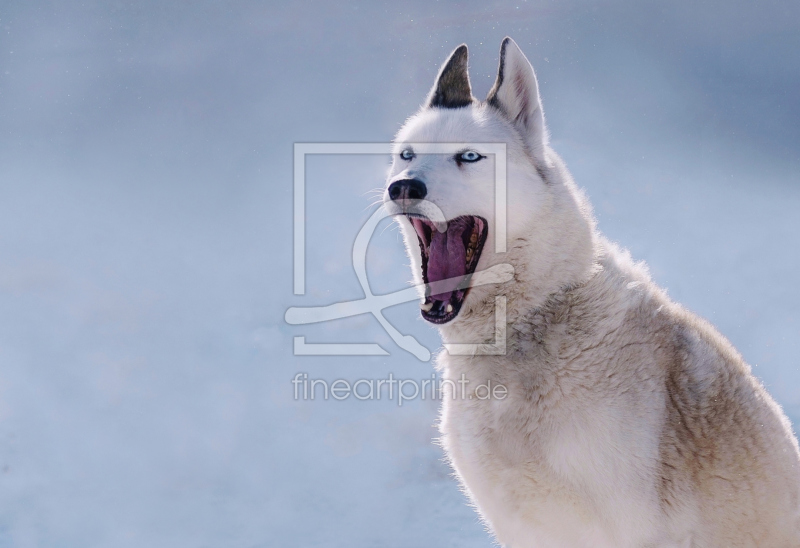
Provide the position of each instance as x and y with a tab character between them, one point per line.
629	422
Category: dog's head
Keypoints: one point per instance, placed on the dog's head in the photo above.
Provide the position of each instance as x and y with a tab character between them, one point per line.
445	201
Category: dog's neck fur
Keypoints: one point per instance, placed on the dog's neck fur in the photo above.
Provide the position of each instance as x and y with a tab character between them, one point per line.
547	262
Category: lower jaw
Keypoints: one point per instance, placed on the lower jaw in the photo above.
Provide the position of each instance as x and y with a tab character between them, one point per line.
442	312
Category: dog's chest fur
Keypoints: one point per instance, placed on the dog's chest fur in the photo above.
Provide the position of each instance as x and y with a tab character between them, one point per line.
628	422
567	458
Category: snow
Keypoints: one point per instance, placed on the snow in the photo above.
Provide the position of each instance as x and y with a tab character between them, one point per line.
145	243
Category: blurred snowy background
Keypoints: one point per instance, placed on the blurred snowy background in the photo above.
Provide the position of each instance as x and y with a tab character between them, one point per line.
145	242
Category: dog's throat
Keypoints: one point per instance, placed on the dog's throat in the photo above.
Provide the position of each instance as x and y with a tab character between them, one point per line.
447	258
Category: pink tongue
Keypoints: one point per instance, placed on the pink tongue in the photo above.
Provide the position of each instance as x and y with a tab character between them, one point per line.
447	259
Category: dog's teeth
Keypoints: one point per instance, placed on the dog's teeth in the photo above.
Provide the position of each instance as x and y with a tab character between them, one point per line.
449	308
474	238
426	306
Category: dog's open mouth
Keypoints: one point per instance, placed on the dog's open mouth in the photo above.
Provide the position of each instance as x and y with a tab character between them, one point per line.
449	259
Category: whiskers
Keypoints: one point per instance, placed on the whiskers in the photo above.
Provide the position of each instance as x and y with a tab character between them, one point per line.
376	195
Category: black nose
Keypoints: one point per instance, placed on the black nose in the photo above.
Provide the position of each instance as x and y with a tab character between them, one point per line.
407	189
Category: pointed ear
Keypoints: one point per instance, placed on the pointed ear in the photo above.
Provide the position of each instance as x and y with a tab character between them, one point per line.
452	89
516	94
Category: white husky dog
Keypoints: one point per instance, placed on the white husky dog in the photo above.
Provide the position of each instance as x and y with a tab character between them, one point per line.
628	421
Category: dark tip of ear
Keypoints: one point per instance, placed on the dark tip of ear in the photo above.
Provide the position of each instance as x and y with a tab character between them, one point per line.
491	98
452	89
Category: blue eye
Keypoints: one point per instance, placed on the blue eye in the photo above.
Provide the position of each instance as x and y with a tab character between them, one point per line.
469	156
407	154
